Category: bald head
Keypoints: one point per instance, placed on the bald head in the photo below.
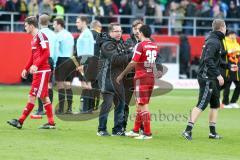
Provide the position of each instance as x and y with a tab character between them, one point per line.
44	20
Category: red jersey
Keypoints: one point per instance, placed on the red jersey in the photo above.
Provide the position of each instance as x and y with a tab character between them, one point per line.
145	54
40	52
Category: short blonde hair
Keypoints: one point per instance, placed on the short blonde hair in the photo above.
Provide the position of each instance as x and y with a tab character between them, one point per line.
217	24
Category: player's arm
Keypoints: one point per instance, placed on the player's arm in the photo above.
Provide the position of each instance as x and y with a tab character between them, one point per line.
135	59
27	67
129	67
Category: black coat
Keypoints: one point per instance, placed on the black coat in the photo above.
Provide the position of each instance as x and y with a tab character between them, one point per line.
114	57
210	62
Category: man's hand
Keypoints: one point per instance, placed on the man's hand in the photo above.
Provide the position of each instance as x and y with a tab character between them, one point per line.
24	74
33	69
234	67
220	80
119	78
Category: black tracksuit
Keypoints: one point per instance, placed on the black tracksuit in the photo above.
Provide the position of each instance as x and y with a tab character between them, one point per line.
209	70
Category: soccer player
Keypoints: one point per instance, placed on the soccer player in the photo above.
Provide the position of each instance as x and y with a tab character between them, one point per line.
39	67
145	55
128	80
44	22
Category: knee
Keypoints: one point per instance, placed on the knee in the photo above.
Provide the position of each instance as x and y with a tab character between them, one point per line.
31	99
46	100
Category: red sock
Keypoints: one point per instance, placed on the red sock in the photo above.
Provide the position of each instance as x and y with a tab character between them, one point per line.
49	113
27	110
138	122
146	122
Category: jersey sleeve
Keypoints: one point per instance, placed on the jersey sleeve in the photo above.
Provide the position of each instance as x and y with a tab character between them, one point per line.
138	50
29	63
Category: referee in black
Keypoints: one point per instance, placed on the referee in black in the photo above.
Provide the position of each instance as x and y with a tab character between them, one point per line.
210	80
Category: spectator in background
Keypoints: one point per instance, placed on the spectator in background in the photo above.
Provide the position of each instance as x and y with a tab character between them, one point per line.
126	9
204	12
233	12
223	7
190	9
138	8
72	6
150	11
110	9
46	6
2	4
184	56
158	14
176	17
87	6
58	9
23	10
11	6
98	8
217	13
33	8
2	8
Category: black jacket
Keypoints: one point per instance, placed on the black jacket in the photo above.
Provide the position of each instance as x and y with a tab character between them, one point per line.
210	61
114	57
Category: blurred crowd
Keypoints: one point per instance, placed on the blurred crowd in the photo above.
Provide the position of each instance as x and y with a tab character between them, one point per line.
177	10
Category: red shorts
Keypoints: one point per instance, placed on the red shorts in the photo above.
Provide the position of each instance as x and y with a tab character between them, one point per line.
143	88
39	86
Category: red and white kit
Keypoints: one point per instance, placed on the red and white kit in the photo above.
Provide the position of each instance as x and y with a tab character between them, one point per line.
145	54
39	58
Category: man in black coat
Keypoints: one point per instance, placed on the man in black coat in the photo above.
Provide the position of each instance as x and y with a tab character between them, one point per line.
114	58
210	80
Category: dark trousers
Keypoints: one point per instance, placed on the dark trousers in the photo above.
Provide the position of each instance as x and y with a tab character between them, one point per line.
128	87
106	108
226	92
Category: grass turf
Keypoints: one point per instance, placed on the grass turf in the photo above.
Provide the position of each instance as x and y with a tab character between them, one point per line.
78	140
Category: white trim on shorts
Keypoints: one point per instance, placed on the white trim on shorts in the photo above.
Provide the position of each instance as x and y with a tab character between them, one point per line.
42	81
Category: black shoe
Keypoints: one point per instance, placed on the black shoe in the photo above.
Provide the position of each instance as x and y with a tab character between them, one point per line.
214	136
187	135
103	133
119	133
15	123
48	126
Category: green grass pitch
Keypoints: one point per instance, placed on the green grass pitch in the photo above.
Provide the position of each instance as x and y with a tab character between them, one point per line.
78	140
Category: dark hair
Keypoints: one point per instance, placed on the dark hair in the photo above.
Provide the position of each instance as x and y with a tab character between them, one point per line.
60	21
230	32
146	31
83	19
112	25
32	20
